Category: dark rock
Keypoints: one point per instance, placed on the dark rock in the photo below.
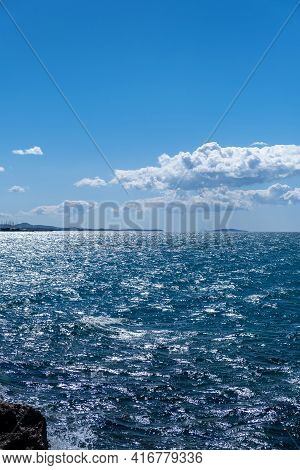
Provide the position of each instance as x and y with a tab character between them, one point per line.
22	428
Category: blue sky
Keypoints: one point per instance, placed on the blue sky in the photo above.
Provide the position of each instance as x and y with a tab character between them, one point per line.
147	78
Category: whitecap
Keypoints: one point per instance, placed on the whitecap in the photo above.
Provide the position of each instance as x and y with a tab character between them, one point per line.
71	439
126	335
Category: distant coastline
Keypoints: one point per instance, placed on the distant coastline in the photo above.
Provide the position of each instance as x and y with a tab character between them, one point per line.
25	227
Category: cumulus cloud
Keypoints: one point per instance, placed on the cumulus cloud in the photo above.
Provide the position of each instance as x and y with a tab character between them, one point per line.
259	144
47	210
245	199
17	189
93	182
292	196
32	151
221	197
211	166
58	209
224	197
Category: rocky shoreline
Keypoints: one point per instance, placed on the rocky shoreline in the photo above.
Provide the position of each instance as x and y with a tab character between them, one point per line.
22	428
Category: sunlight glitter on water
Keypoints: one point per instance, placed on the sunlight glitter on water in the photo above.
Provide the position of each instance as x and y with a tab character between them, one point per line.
150	342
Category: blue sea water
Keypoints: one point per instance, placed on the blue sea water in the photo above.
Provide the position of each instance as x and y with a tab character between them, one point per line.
149	340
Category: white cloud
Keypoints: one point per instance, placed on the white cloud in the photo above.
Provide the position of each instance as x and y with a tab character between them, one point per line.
259	144
245	199
59	208
277	194
46	210
211	166
32	151
223	197
1	169
93	182
292	196
17	189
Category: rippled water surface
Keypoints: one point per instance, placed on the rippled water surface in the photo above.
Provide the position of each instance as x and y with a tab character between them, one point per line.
152	340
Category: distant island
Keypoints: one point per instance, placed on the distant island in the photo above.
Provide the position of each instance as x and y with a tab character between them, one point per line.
25	227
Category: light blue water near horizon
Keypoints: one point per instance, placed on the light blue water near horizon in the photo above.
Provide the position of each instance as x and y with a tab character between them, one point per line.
150	340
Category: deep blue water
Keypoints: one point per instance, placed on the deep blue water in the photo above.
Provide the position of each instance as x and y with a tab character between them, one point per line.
154	341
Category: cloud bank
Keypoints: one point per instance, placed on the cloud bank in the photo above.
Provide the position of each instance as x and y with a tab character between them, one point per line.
93	182
212	166
223	197
58	209
32	151
277	194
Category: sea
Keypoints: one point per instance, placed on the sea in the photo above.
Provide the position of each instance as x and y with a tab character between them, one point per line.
154	340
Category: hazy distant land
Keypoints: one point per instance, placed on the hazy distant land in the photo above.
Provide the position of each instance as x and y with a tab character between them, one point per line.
26	227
